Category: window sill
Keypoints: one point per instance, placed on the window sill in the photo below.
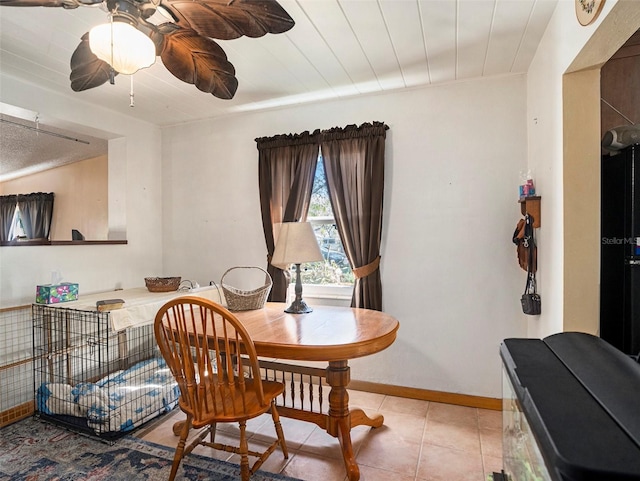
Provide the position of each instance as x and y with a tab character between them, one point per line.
323	291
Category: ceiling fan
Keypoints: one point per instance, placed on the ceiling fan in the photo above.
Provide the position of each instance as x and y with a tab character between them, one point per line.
182	38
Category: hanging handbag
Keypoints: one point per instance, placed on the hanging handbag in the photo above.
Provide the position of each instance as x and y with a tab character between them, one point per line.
530	299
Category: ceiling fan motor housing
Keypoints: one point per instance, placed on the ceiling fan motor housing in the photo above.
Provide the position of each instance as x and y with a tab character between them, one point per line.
129	11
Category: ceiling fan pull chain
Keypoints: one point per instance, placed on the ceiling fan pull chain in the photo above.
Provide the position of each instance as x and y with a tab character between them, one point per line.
131	102
111	22
112	72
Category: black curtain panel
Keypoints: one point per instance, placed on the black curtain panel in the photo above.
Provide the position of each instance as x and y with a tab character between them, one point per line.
36	211
8	205
287	165
354	166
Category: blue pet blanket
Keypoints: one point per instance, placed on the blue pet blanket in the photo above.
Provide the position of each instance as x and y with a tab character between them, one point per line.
120	401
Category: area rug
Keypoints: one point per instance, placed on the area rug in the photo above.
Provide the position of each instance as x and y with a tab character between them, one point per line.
32	450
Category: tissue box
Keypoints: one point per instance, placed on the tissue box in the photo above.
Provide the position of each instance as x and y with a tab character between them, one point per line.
55	293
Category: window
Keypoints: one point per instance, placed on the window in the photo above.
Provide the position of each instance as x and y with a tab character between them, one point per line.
335	270
17	230
289	161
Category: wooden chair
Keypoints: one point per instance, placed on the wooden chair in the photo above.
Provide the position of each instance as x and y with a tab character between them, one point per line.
214	362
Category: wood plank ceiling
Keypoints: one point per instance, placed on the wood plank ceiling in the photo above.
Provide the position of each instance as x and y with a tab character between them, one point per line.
337	49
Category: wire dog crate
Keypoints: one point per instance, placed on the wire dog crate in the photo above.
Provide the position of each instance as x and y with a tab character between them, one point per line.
93	379
16	364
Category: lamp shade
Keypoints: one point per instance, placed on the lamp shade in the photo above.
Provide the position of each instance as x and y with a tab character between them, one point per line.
122	46
296	243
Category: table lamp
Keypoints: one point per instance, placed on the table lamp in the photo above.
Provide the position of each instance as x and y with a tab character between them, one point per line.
296	243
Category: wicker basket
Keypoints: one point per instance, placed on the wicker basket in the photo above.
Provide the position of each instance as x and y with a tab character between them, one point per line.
241	300
162	284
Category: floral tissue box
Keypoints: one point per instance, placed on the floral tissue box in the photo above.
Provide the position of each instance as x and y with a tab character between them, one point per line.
55	293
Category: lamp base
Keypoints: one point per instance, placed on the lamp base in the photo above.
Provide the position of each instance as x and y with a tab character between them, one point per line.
298	307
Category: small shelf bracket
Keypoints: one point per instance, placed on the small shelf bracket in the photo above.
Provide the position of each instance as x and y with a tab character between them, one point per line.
531	205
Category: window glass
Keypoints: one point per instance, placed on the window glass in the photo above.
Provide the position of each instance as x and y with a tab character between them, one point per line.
16	230
335	269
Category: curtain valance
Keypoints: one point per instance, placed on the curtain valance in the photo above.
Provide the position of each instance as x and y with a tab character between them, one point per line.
287	140
351	131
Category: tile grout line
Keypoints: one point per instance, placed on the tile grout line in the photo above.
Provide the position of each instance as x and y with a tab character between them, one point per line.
422	442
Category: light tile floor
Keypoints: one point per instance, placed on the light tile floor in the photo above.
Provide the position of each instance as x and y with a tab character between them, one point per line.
419	441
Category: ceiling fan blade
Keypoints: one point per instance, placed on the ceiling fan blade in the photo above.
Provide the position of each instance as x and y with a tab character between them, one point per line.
225	20
69	4
198	60
87	70
32	3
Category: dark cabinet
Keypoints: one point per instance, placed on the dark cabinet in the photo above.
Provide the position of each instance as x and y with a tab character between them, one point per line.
620	250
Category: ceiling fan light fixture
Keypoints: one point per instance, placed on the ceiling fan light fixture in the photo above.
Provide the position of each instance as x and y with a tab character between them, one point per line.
122	46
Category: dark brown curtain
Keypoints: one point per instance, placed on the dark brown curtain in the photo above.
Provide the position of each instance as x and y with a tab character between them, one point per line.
8	205
287	165
36	211
354	166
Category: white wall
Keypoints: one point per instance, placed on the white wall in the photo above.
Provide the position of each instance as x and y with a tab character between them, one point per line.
95	268
449	270
560	45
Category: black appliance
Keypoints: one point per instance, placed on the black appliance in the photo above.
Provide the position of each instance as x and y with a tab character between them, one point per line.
620	250
569	413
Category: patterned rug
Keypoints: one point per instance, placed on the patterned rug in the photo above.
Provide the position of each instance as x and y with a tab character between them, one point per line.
32	450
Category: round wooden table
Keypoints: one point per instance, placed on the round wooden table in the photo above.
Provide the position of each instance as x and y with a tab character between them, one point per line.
329	334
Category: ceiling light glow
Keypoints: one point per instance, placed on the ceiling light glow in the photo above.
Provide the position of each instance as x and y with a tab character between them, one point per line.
122	46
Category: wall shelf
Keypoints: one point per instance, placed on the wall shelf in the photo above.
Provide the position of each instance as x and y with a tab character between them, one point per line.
531	205
61	243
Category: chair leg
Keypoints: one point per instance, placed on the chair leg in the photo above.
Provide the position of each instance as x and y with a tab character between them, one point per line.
212	432
243	452
180	448
276	422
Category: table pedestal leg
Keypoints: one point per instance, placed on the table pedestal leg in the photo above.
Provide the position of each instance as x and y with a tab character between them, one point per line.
359	417
339	420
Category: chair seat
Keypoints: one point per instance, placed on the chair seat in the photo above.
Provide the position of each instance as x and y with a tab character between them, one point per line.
238	407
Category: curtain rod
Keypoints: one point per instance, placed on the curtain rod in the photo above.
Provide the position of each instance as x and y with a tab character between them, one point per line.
45	131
